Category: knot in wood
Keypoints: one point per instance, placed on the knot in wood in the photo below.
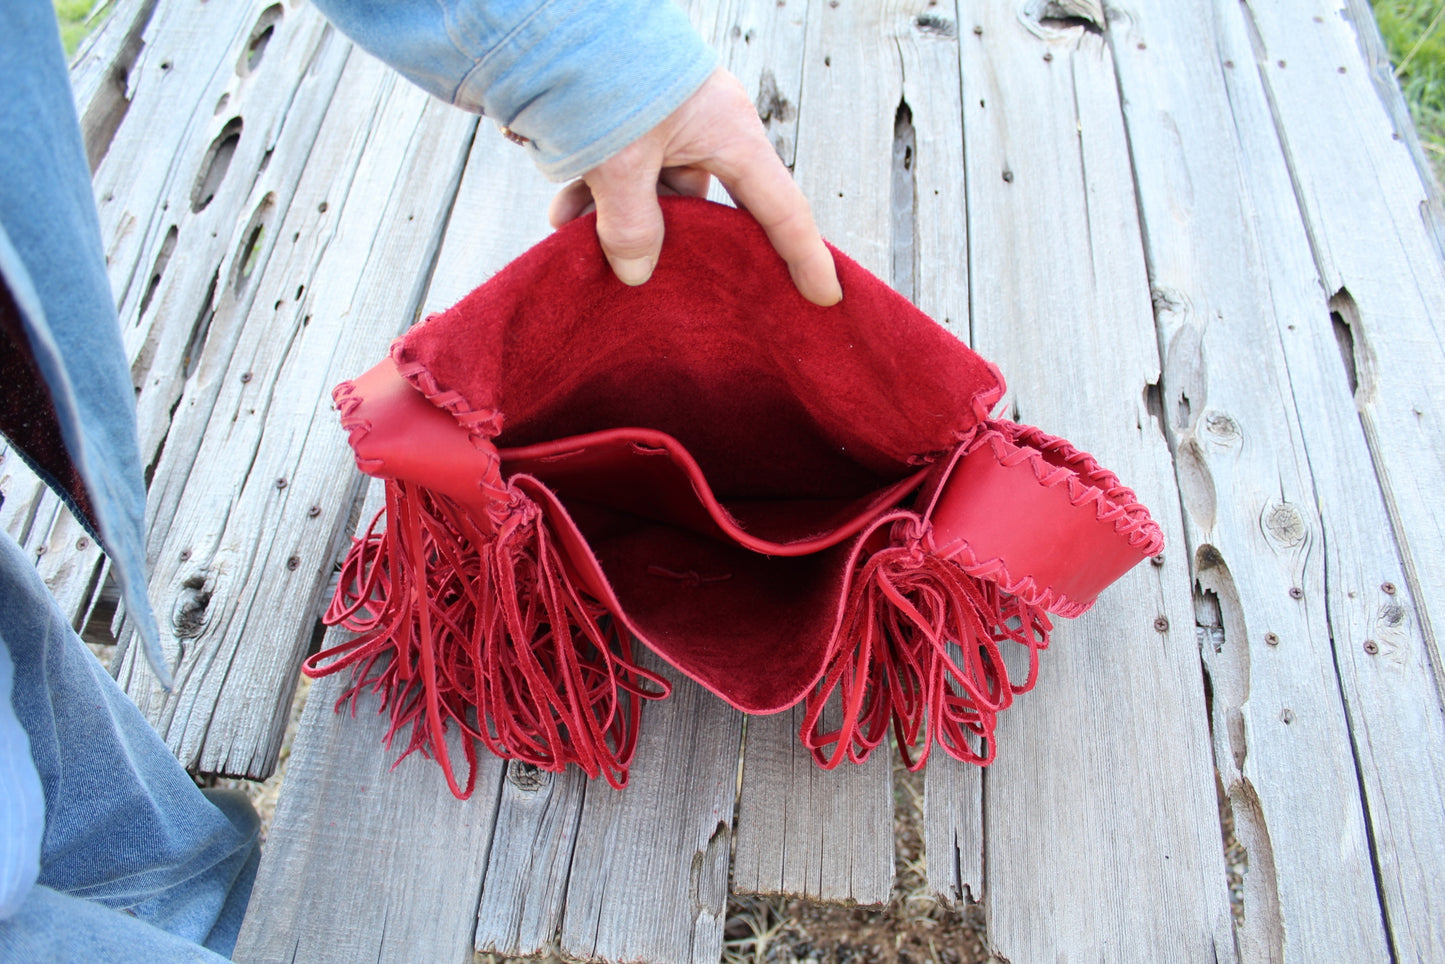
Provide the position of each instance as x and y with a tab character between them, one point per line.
1221	427
934	25
527	777
1284	524
188	619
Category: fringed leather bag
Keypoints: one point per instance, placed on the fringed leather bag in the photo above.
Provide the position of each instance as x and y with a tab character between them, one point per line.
784	502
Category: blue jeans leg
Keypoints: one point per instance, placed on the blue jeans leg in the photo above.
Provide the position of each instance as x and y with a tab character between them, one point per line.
125	826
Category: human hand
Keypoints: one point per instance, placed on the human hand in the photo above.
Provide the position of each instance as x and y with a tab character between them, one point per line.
716	131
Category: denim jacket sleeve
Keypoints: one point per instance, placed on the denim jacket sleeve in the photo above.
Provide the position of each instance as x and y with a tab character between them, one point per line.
581	79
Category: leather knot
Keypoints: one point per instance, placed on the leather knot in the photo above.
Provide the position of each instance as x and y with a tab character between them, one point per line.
914	536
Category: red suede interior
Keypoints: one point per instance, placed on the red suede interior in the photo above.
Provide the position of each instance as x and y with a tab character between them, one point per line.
805	422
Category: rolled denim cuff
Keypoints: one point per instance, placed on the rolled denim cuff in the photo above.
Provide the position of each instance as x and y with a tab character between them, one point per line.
580	79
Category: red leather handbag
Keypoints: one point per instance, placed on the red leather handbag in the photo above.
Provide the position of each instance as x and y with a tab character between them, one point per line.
784	502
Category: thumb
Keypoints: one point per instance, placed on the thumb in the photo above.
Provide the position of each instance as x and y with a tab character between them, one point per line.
629	223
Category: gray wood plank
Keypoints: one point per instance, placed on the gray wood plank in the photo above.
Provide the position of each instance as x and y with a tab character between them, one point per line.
1362	200
367	859
1101	833
100	73
1381	647
1282	743
649	874
254	515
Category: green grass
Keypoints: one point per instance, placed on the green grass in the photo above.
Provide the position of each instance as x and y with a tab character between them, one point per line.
75	21
1414	32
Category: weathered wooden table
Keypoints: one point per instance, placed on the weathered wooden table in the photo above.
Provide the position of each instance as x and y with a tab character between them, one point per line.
1194	236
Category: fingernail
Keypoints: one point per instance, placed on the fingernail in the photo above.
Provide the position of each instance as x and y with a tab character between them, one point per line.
632	271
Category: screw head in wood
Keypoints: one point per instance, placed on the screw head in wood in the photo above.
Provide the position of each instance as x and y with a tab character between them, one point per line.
82	544
977	30
1161	624
293	563
246	377
185	554
1157	560
1371	647
1272	639
1295	592
281	483
314	511
1388	588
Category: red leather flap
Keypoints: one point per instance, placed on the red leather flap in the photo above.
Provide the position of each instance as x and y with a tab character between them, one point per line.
1042	519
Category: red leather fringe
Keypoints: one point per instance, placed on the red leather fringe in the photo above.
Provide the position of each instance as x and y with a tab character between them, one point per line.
487	631
893	661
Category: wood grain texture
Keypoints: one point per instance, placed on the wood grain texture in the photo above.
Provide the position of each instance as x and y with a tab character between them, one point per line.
649	874
244	532
1256	539
367	859
1380	648
1101	833
100	73
1362	200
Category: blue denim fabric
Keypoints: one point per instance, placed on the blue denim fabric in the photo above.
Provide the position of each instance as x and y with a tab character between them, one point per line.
581	78
22	805
125	828
52	261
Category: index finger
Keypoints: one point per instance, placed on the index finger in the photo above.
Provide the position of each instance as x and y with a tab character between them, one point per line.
758	181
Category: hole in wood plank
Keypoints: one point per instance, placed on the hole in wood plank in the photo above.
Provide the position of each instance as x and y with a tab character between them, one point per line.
200	330
249	255
1346	341
1154	404
261	35
1069	14
215	165
933	25
904	200
163	258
